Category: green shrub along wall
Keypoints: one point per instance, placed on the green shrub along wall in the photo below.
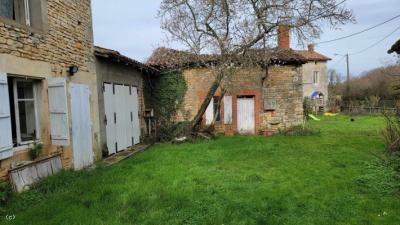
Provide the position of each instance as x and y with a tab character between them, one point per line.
165	94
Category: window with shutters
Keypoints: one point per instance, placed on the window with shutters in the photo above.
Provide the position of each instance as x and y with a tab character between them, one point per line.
23	110
25	12
217	110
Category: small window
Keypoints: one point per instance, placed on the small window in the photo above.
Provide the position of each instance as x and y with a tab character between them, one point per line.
24	115
25	12
218	113
316	77
18	10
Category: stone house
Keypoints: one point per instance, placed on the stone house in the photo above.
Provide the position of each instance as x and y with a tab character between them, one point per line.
48	86
122	112
315	78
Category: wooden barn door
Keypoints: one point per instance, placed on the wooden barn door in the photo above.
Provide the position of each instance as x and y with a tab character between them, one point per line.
111	127
121	104
134	116
81	126
245	115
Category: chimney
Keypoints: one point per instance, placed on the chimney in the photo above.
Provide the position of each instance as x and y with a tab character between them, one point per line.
284	37
311	47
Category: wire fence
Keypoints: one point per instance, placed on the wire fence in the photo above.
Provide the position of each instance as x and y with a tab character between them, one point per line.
390	107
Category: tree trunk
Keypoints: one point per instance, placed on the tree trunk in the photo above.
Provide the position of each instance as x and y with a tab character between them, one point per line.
211	92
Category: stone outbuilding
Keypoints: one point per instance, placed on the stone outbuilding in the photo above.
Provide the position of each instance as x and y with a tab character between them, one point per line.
120	81
258	100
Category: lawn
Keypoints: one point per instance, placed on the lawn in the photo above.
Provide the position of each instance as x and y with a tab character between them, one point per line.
334	178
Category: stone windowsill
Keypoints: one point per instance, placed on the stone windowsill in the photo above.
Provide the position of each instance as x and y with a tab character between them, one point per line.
18	25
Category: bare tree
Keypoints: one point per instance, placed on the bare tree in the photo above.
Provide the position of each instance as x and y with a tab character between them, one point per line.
229	29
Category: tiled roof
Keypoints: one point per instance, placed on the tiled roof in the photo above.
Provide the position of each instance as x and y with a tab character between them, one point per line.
170	58
115	56
312	55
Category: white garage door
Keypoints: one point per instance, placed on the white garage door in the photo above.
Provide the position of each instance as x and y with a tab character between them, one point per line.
246	117
122	112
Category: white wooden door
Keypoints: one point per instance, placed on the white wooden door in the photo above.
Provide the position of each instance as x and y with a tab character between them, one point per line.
122	112
6	144
111	127
121	122
135	121
81	126
228	110
245	115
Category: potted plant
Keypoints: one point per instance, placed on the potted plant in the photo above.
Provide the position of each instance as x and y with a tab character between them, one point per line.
35	150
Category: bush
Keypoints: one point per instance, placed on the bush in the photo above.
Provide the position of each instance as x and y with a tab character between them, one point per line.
5	193
300	131
35	150
391	134
307	107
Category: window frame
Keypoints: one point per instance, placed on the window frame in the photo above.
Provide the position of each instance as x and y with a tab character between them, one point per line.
316	77
215	105
16	111
37	15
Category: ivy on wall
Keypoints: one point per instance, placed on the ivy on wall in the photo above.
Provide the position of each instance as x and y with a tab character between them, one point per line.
165	94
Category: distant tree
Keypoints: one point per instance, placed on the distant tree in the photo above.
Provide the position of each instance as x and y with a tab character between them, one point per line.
380	83
228	29
335	86
395	48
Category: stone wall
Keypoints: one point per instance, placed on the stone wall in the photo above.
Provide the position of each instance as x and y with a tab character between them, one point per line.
283	84
64	39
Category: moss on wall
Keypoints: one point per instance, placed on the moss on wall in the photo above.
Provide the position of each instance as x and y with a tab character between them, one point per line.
165	94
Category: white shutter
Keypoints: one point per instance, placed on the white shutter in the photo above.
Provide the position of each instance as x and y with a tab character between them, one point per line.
210	112
6	145
58	111
228	109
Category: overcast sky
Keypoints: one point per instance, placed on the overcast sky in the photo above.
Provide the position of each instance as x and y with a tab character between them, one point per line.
131	27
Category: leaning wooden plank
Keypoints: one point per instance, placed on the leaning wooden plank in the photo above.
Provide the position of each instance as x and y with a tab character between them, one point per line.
33	173
56	165
48	167
42	170
22	178
26	176
16	181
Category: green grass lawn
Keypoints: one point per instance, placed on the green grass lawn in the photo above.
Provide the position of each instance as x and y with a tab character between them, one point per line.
334	178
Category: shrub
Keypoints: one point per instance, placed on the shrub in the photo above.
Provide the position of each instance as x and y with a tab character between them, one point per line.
5	193
307	107
35	150
300	131
391	134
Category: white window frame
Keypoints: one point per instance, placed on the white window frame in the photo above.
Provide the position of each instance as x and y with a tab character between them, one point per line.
16	109
27	13
316	77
